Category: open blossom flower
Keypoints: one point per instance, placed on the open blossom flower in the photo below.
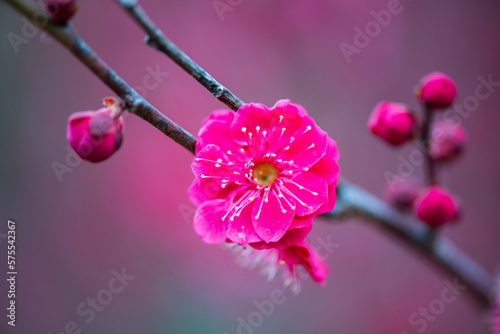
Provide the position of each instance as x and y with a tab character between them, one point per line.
262	175
289	261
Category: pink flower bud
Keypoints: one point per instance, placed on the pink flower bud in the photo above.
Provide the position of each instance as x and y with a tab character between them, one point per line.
61	10
447	141
401	194
392	122
436	90
436	207
95	135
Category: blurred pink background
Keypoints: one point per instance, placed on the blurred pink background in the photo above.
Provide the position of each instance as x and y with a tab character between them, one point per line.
133	212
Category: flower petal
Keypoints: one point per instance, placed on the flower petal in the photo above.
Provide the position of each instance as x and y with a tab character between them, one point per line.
208	223
306	147
271	217
306	255
300	222
309	191
226	116
215	132
240	229
332	197
202	190
327	167
289	117
252	118
291	237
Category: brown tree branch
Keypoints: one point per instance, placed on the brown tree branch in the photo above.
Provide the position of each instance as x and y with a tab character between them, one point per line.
355	202
352	200
135	103
156	39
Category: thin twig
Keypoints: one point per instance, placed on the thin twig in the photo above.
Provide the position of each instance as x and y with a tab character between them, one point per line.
354	201
136	104
156	39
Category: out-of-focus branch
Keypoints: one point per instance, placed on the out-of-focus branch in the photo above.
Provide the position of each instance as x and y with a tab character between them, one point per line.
352	201
355	202
156	39
135	103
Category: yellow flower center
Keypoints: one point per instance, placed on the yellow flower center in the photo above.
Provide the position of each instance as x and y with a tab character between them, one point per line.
265	173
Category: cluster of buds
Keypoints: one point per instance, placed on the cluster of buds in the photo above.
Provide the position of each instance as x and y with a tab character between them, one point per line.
443	141
96	135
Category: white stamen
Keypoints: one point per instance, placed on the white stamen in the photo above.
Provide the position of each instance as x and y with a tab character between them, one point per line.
243	129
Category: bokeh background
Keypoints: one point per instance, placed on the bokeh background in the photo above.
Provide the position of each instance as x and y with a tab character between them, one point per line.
132	211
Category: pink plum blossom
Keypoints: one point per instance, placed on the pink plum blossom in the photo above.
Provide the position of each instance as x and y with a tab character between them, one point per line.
262	175
290	261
